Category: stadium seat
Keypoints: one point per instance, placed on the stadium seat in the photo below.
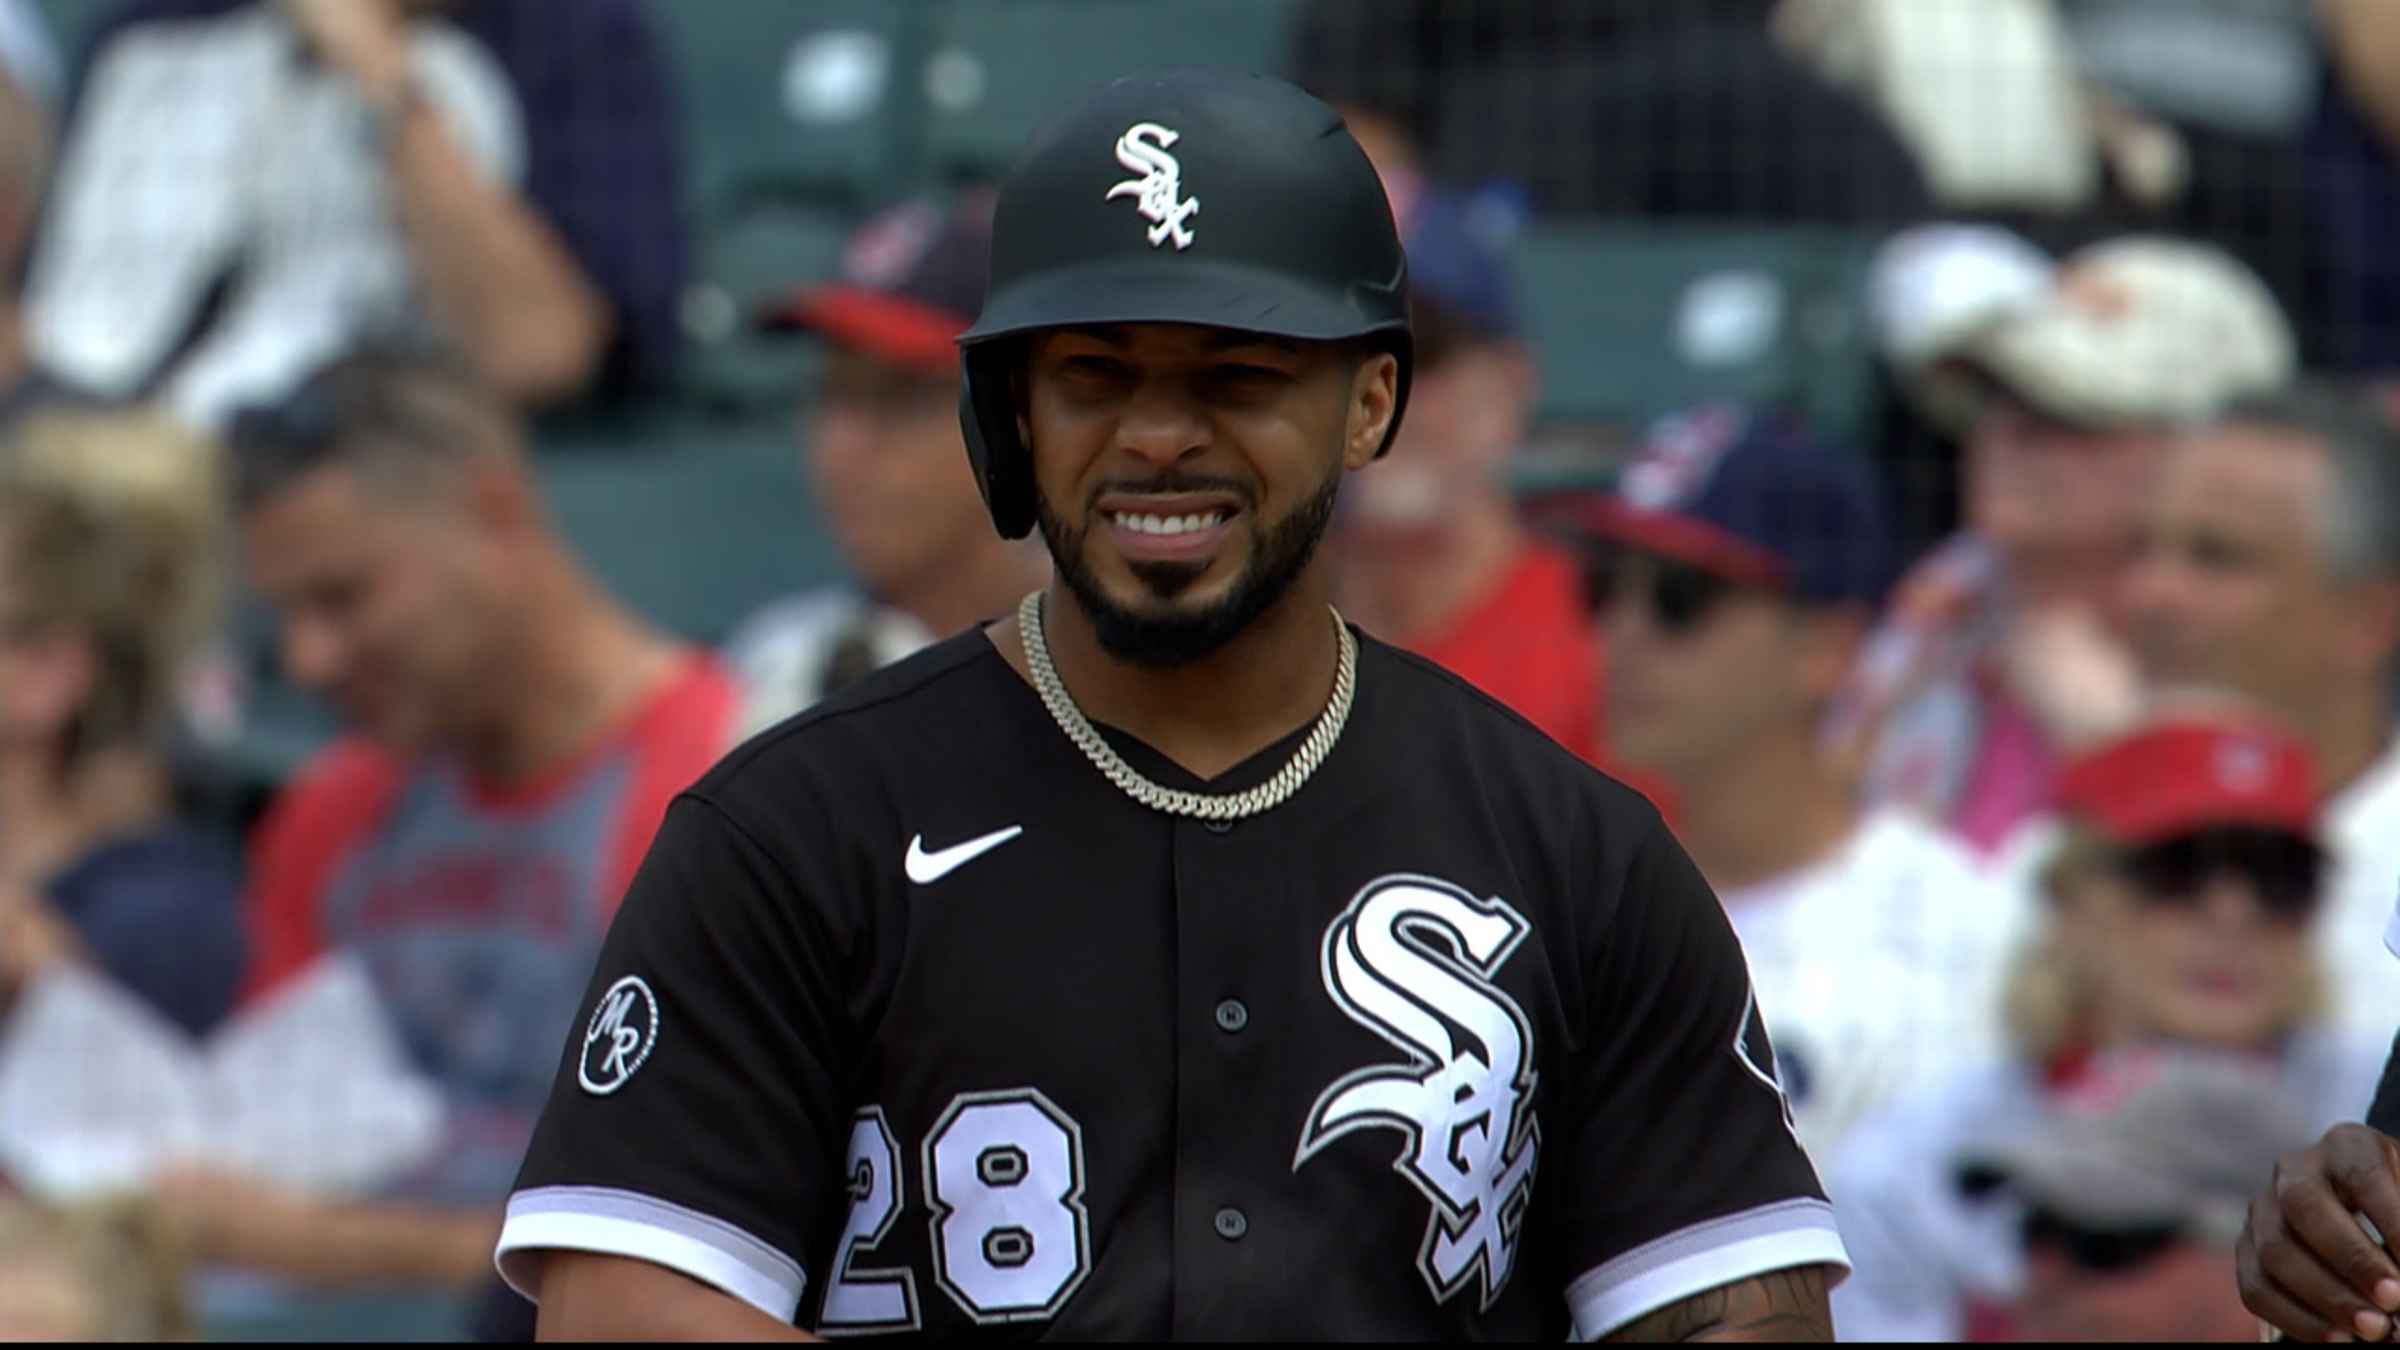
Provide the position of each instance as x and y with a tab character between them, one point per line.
1632	320
694	521
792	98
995	71
743	263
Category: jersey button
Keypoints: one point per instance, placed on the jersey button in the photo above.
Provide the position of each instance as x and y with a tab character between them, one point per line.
1219	826
1232	1224
1232	1016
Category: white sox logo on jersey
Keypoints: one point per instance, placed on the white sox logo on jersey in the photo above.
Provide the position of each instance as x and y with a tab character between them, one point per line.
1156	194
1412	960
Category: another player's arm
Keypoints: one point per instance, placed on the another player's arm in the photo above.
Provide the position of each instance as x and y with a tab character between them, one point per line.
586	1297
1781	1305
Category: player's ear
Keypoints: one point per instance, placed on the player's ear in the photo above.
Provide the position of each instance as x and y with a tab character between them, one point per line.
1374	401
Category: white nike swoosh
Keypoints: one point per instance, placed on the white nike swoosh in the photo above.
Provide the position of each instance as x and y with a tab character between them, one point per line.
927	868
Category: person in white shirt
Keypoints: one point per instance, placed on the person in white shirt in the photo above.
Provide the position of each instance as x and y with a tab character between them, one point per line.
1736	567
2177	905
884	456
2270	566
247	189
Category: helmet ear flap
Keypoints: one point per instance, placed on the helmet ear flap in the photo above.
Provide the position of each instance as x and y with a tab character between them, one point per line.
987	417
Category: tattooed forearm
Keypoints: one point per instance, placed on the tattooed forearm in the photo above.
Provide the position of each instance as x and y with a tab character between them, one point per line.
1783	1305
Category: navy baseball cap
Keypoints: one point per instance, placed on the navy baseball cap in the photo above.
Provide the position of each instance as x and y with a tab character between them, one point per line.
1458	263
1749	497
912	279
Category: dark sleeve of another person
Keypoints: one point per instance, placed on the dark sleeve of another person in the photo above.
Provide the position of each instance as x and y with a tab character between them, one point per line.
604	161
2384	1114
164	921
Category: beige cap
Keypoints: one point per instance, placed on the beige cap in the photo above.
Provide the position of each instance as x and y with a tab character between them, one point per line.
2136	331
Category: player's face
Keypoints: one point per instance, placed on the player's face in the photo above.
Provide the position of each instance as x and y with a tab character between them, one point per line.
386	601
2231	587
1185	475
893	479
2208	954
2059	503
1699	667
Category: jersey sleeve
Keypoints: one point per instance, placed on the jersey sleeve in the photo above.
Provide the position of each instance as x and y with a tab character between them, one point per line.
1683	1171
696	1119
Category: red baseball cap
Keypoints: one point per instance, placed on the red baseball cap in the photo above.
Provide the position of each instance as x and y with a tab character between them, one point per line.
2182	776
912	279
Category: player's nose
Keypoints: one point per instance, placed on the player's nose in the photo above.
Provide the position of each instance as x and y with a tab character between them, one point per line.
1162	425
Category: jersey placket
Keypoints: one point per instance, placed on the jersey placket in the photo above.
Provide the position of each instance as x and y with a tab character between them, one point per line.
1227	1129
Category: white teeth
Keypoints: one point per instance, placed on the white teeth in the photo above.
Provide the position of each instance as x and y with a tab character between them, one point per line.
1170	524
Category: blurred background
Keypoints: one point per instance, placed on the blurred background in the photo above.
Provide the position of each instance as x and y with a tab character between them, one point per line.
1945	452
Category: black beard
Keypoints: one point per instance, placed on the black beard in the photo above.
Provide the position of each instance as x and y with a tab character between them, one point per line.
1284	552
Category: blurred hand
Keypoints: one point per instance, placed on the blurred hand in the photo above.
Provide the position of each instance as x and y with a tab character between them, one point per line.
33	939
2304	1263
365	39
216	1216
2076	679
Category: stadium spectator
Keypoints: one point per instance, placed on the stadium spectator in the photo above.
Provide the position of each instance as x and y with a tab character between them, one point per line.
1431	553
518	738
2003	648
2178	912
890	472
246	186
2352	157
2270	565
1746	564
1600	107
109	549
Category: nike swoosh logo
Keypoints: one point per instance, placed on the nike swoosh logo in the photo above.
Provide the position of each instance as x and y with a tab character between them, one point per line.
927	868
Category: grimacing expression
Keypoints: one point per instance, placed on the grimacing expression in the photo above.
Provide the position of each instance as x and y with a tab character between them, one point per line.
1185	475
388	604
890	471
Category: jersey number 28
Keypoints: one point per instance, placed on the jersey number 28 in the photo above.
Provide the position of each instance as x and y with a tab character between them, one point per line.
1004	1182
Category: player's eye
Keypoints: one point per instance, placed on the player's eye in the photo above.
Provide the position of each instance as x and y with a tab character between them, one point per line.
1243	379
1092	368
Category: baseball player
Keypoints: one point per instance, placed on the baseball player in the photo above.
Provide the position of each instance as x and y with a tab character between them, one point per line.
1168	958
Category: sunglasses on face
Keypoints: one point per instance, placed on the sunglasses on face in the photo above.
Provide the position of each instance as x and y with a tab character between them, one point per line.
2100	1251
1680	597
2284	871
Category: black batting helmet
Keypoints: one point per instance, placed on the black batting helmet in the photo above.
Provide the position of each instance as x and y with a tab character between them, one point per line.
1197	197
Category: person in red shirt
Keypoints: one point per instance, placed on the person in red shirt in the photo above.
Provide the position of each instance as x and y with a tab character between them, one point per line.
518	735
1434	556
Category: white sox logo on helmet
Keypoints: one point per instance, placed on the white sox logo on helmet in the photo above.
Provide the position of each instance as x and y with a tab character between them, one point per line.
1158	193
1412	960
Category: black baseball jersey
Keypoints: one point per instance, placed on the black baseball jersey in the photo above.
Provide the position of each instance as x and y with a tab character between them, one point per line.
914	1021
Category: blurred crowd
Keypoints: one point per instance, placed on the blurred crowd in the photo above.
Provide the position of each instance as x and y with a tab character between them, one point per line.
2036	728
